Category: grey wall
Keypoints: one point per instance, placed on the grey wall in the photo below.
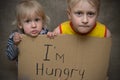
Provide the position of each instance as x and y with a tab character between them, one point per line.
55	9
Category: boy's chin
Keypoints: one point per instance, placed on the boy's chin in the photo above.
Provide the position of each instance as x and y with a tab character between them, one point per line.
83	32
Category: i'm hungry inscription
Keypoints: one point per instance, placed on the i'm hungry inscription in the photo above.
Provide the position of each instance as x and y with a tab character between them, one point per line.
67	72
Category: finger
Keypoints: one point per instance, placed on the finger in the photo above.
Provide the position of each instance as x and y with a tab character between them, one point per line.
58	78
20	36
50	35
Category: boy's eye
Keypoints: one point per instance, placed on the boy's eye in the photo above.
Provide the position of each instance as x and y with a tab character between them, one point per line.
78	13
91	14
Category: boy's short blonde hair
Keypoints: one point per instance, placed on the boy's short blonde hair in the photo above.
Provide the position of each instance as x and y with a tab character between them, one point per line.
27	7
95	3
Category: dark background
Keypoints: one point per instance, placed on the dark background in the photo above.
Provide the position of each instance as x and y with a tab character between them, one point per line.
56	10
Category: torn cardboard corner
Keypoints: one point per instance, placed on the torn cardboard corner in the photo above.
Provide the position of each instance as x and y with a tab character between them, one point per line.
65	57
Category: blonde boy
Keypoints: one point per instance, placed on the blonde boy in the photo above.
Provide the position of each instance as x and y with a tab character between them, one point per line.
82	15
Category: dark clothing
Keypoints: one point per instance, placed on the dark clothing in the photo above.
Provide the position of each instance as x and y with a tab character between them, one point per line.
12	50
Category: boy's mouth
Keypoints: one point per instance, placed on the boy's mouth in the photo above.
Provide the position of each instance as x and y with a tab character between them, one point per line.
83	26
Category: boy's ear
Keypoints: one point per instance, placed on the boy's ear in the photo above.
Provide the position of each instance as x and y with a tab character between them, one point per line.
68	14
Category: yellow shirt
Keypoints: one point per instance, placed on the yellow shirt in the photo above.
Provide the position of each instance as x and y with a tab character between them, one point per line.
98	31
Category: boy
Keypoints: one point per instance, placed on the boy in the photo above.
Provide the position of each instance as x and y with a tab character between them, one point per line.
82	15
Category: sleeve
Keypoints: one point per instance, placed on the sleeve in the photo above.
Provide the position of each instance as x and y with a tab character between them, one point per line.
44	31
11	49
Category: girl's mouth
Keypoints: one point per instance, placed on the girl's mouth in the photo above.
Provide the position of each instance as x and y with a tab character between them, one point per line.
35	31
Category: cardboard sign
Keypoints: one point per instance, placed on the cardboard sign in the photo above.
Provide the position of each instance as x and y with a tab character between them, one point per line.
66	57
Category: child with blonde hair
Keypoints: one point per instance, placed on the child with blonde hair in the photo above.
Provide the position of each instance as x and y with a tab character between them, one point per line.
82	15
30	20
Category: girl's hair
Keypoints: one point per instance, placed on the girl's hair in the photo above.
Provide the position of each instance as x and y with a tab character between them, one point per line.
95	3
27	7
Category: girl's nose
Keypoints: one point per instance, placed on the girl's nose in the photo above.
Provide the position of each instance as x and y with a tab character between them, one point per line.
85	19
33	24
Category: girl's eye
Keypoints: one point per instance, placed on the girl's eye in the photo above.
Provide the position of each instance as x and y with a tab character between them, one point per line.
37	19
28	20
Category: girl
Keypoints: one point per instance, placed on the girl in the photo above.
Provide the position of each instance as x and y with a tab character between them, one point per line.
31	20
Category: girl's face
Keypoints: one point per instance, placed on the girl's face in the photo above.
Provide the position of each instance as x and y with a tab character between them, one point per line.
32	26
83	17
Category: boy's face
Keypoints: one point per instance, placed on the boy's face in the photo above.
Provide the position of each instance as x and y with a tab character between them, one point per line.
32	25
83	17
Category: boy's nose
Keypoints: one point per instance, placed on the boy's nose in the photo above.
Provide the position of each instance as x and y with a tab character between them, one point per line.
85	19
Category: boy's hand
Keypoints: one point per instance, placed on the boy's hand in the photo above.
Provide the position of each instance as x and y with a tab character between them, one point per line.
17	38
51	35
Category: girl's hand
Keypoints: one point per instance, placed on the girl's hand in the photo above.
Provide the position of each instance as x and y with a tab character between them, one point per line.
17	38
